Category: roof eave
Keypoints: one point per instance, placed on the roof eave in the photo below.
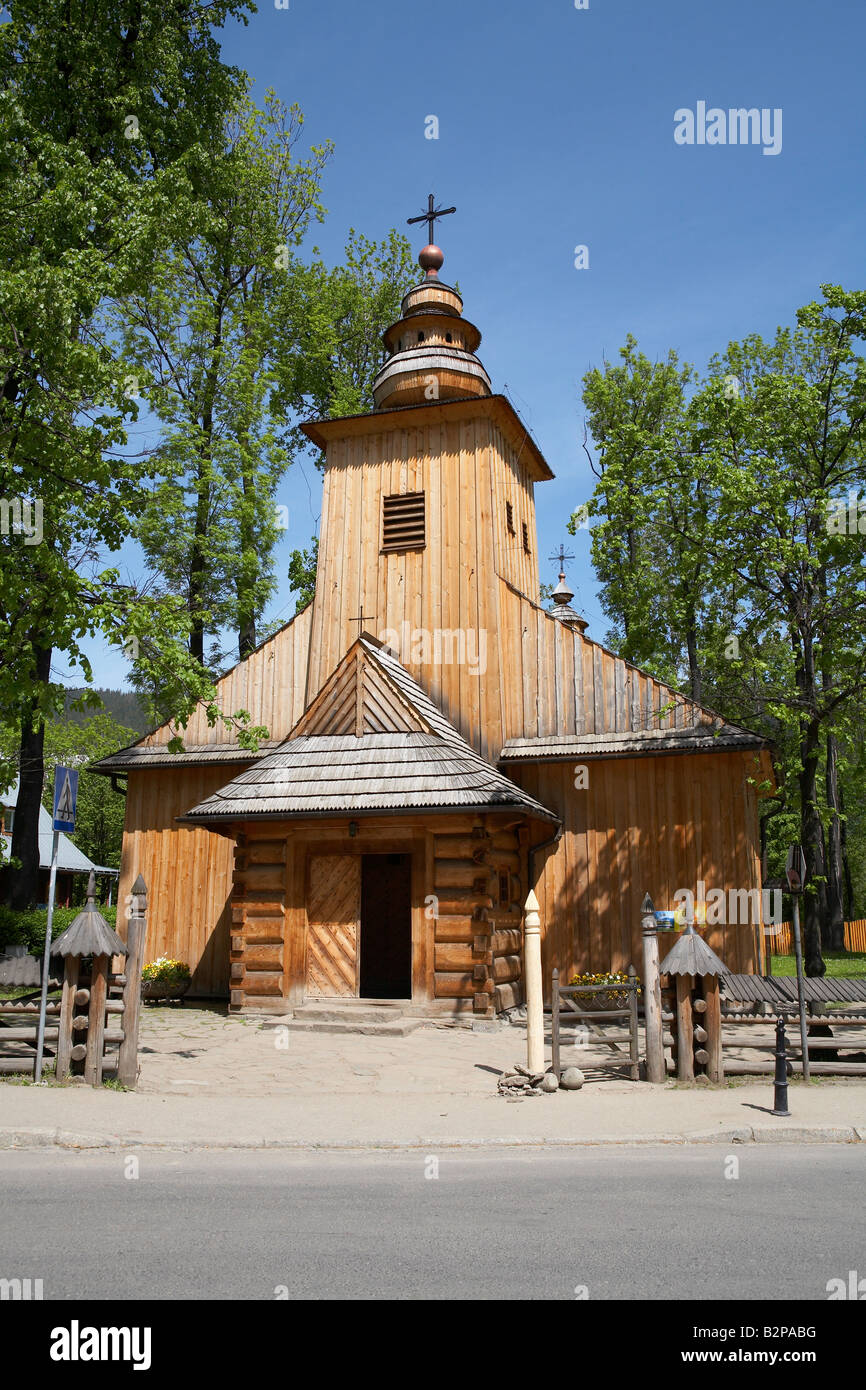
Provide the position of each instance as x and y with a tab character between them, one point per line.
222	819
320	432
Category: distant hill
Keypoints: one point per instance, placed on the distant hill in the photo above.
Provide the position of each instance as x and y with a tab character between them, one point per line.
123	706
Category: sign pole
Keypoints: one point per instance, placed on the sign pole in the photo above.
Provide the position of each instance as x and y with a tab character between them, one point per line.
65	801
46	963
798	949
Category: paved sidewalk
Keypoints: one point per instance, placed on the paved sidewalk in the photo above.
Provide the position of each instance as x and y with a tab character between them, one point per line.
213	1081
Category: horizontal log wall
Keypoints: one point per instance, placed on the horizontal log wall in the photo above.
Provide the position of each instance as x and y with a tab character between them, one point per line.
259	950
477	935
462	880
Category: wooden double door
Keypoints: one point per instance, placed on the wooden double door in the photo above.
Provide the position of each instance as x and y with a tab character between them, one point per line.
359	926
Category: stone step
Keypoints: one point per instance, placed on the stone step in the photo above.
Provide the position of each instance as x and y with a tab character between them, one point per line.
396	1028
333	1011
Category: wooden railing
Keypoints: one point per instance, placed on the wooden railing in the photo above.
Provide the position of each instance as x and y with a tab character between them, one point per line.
566	1008
781	941
97	1010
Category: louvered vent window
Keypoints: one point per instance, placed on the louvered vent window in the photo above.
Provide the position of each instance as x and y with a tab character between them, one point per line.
403	522
509	518
526	537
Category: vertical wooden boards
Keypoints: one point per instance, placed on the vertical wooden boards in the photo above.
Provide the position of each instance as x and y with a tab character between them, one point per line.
634	830
188	870
333	915
270	684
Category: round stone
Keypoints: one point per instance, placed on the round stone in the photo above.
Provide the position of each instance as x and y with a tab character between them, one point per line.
572	1079
549	1082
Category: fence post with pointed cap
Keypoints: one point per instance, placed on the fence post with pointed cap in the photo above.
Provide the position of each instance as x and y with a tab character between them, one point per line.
652	995
136	936
534	992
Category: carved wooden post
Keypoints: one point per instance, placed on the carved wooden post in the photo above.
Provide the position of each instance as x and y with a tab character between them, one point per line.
67	1012
685	1035
136	937
96	1021
534	993
713	1023
554	1025
633	1051
652	996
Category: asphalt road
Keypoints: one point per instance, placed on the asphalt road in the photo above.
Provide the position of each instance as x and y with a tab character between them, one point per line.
642	1223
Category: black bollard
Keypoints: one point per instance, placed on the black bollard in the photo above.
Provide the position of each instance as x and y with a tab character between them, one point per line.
780	1098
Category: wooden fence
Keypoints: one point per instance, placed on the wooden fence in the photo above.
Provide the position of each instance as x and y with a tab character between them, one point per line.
781	942
566	1009
92	1030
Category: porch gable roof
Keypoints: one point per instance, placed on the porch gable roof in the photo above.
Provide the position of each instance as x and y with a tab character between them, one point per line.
371	741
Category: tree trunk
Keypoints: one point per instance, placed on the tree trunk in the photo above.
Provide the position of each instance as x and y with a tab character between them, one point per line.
834	928
848	902
197	562
695	683
249	566
22	891
812	837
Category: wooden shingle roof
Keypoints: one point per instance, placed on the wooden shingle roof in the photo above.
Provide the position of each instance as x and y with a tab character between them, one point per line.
372	741
698	738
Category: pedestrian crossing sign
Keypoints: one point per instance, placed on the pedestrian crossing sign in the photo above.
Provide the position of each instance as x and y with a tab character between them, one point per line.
65	797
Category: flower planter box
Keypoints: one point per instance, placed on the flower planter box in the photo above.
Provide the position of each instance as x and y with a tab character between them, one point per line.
604	1000
159	989
606	995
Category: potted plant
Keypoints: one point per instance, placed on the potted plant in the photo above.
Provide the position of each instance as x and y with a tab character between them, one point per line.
165	979
605	995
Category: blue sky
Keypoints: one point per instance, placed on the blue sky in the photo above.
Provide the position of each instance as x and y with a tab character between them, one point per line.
556	129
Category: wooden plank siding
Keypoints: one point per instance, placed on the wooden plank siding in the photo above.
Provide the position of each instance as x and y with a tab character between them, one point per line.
270	684
188	871
590	888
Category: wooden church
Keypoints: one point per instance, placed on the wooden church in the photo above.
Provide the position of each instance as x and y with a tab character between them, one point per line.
439	741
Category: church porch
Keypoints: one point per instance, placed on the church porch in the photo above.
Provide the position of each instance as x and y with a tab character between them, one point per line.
424	911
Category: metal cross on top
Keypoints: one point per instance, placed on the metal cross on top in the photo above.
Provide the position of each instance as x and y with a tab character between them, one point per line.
364	618
430	216
561	556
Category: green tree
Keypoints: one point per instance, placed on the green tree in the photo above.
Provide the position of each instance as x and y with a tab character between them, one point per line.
785	451
101	107
649	502
201	337
100	810
716	544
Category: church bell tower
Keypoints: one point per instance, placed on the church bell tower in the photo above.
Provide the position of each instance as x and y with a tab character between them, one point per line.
428	511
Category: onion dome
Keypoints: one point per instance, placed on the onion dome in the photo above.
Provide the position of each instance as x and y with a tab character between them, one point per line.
563	611
89	934
431	348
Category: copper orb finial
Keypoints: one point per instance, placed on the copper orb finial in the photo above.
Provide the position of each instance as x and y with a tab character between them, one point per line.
430	259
